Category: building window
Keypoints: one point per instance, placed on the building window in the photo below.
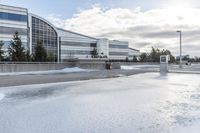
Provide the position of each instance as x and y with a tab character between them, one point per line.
78	44
118	53
11	31
13	17
41	33
118	46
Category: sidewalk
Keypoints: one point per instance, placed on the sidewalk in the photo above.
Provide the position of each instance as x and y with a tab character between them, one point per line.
16	80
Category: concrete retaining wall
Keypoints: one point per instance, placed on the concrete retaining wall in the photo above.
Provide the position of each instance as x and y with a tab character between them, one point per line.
117	65
23	67
31	67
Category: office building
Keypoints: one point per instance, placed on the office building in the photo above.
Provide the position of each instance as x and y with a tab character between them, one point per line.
60	44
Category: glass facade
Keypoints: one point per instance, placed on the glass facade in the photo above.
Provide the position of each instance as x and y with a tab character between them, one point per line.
118	46
43	32
119	53
78	44
13	17
9	30
7	43
76	52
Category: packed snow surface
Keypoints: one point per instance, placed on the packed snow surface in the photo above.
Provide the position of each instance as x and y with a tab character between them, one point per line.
1	96
144	103
139	67
65	70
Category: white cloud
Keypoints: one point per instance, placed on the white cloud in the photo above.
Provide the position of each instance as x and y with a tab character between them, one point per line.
143	30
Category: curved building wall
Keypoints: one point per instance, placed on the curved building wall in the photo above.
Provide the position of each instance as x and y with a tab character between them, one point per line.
42	31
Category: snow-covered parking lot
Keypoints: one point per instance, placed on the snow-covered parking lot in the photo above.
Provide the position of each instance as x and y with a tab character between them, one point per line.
144	103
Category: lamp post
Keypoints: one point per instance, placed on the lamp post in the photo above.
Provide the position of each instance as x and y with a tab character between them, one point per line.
179	31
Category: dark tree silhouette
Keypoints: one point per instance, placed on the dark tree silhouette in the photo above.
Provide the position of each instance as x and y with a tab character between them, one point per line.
40	54
16	51
1	50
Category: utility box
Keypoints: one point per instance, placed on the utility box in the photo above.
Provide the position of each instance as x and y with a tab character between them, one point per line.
164	60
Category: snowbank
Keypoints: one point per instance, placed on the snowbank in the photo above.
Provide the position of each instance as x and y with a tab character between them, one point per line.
65	70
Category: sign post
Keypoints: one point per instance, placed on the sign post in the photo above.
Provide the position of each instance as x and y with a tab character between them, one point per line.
164	59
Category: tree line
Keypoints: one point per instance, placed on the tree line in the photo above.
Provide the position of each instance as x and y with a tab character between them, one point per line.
194	59
16	52
154	55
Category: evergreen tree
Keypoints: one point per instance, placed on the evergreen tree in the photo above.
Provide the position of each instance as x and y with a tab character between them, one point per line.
135	59
51	57
1	50
40	54
16	50
155	55
94	53
143	57
28	56
127	59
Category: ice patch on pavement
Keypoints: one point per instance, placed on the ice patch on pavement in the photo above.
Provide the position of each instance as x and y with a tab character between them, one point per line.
192	129
65	70
170	105
129	67
75	69
1	96
139	67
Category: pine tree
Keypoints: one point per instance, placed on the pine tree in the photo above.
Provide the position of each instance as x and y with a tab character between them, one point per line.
16	50
1	50
94	53
155	55
143	57
40	54
135	59
50	57
28	56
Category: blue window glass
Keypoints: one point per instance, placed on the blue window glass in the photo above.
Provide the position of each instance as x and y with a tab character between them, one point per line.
13	17
118	46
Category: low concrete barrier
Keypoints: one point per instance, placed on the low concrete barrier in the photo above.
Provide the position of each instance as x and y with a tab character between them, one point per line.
117	65
23	67
31	67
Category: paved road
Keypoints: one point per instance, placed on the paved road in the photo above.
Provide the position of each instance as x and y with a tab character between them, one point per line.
142	103
16	80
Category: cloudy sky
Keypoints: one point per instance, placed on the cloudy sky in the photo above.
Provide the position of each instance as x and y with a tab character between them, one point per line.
144	23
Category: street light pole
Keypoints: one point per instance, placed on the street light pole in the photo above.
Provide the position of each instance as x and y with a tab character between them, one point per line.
180	65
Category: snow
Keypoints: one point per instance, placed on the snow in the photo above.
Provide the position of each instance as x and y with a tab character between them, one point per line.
144	103
65	70
192	129
1	96
139	67
75	69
